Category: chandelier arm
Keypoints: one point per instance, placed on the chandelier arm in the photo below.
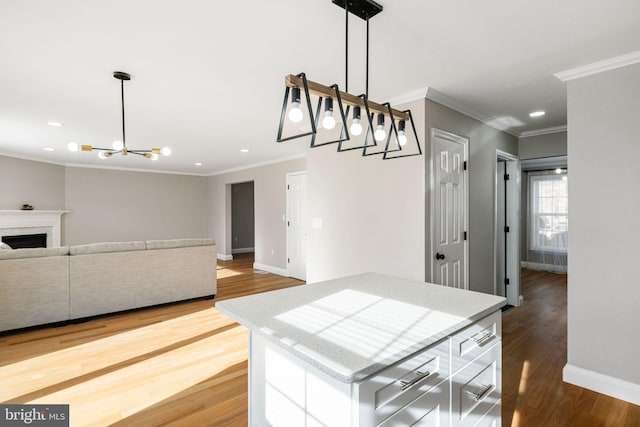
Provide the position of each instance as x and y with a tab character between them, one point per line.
347	98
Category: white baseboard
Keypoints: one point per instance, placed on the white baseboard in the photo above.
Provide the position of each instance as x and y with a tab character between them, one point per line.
554	268
271	269
611	386
224	257
242	250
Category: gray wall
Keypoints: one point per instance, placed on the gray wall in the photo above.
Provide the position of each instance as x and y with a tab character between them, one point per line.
603	291
549	145
113	205
270	208
376	214
372	212
483	143
242	216
24	181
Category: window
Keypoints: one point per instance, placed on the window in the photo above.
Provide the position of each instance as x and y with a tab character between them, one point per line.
549	208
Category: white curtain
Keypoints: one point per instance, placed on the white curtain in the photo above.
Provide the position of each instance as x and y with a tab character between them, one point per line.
547	227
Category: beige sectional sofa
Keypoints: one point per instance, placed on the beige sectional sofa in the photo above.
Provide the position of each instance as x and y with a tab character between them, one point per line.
46	285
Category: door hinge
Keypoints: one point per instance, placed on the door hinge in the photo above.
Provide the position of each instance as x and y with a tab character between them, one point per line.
288	187
506	228
464	165
464	235
506	177
288	224
506	281
288	260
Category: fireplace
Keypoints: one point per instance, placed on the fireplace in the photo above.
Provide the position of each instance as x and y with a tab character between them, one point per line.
22	222
26	241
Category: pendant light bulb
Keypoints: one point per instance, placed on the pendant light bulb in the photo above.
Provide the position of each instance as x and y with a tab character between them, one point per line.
356	127
102	155
328	122
166	151
72	146
295	113
380	134
154	156
117	145
402	136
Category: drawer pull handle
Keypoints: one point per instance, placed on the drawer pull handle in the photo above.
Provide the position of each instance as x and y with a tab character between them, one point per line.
483	339
479	395
421	375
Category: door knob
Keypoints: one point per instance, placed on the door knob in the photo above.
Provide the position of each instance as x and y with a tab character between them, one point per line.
439	256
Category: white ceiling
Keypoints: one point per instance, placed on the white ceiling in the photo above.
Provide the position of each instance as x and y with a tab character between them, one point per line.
208	75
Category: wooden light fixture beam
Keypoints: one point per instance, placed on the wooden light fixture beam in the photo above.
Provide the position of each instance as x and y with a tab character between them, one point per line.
326	92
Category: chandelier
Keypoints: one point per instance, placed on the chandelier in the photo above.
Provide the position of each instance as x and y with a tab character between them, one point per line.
120	147
330	115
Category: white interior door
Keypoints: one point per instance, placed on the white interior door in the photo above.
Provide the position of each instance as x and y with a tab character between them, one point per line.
448	209
296	225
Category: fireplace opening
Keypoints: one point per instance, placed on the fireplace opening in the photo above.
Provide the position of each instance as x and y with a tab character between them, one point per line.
26	241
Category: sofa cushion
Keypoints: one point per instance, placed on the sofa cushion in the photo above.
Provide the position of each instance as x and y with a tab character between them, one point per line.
178	243
104	247
3	245
34	252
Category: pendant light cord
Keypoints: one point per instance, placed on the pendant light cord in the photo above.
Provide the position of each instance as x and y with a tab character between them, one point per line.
124	140
346	47
367	71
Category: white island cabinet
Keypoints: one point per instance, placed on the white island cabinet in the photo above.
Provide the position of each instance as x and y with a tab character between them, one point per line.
372	350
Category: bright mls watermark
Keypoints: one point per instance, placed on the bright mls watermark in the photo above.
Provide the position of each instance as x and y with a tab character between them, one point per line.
34	415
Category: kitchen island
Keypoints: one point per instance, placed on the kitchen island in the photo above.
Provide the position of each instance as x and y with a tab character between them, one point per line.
371	350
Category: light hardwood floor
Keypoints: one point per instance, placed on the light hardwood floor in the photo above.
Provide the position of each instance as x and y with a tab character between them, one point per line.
186	364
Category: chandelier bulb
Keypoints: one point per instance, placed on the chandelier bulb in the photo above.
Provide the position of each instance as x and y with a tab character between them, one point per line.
102	155
295	113
154	156
402	136
380	134
328	122
166	151
72	146
356	127
117	145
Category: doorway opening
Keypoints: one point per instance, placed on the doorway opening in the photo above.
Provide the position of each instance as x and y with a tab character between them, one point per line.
507	228
242	218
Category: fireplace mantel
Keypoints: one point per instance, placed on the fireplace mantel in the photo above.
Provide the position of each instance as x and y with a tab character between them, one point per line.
16	222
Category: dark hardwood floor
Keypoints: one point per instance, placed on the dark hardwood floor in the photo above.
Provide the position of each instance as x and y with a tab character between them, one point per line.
186	364
534	353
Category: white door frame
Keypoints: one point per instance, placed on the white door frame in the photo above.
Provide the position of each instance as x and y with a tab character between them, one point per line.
465	142
512	167
304	220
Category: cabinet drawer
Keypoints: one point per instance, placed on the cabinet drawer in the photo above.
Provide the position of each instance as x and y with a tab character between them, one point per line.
429	410
474	340
477	388
393	388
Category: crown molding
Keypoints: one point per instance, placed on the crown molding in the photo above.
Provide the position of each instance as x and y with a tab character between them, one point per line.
413	95
257	165
545	131
121	169
31	158
449	102
599	67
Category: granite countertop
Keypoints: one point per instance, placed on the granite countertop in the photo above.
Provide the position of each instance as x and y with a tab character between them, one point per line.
355	326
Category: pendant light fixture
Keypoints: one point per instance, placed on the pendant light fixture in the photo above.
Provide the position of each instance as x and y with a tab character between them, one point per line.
353	122
120	147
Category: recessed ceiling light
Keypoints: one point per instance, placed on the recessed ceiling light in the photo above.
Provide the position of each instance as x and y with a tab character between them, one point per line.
537	114
244	150
54	124
198	164
49	149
